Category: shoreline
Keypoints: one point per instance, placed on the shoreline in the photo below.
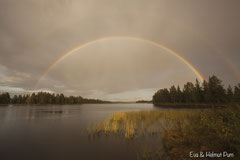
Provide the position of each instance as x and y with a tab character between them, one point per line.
190	105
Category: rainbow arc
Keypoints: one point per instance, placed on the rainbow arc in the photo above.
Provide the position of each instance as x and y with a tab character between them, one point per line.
157	44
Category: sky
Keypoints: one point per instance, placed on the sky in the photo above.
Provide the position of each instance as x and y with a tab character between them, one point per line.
34	34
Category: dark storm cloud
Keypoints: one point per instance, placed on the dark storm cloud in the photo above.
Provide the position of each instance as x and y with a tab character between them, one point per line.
34	33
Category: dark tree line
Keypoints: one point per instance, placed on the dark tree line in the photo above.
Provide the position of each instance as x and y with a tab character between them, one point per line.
45	98
211	92
5	98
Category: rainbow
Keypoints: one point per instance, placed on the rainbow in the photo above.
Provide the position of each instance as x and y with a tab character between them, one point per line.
214	50
157	44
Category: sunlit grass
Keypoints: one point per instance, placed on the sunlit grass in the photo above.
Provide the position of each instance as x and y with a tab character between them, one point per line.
181	131
131	124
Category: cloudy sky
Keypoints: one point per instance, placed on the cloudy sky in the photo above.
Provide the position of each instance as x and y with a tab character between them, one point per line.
34	34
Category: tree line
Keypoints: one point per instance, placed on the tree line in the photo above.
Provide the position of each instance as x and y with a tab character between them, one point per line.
209	92
45	98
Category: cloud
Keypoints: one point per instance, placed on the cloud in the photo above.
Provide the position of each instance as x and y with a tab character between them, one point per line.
108	68
17	90
33	34
13	78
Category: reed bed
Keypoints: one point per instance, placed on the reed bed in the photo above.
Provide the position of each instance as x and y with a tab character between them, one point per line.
181	131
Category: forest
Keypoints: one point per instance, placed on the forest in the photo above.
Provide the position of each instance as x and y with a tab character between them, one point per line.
209	92
45	98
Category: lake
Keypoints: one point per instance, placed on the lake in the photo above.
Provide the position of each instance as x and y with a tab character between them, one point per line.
59	133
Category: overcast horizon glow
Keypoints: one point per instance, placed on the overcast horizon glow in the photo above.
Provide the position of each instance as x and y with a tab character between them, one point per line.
34	34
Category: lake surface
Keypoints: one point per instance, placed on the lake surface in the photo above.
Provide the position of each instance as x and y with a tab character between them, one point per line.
59	133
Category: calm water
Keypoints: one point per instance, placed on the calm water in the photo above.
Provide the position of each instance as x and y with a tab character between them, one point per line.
59	133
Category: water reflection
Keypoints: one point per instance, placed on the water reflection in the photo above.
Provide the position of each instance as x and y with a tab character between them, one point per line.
59	132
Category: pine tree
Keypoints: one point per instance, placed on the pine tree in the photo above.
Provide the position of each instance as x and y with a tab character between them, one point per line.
206	92
216	90
188	92
230	94
198	95
173	94
237	94
5	98
62	99
32	99
179	95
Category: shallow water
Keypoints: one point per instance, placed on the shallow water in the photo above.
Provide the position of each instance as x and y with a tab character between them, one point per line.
59	133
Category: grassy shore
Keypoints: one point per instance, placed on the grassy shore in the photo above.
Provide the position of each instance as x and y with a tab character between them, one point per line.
181	131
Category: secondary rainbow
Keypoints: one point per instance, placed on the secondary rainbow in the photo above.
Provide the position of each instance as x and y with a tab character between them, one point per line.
157	44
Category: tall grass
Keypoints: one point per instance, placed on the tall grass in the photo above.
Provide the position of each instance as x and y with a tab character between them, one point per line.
182	131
